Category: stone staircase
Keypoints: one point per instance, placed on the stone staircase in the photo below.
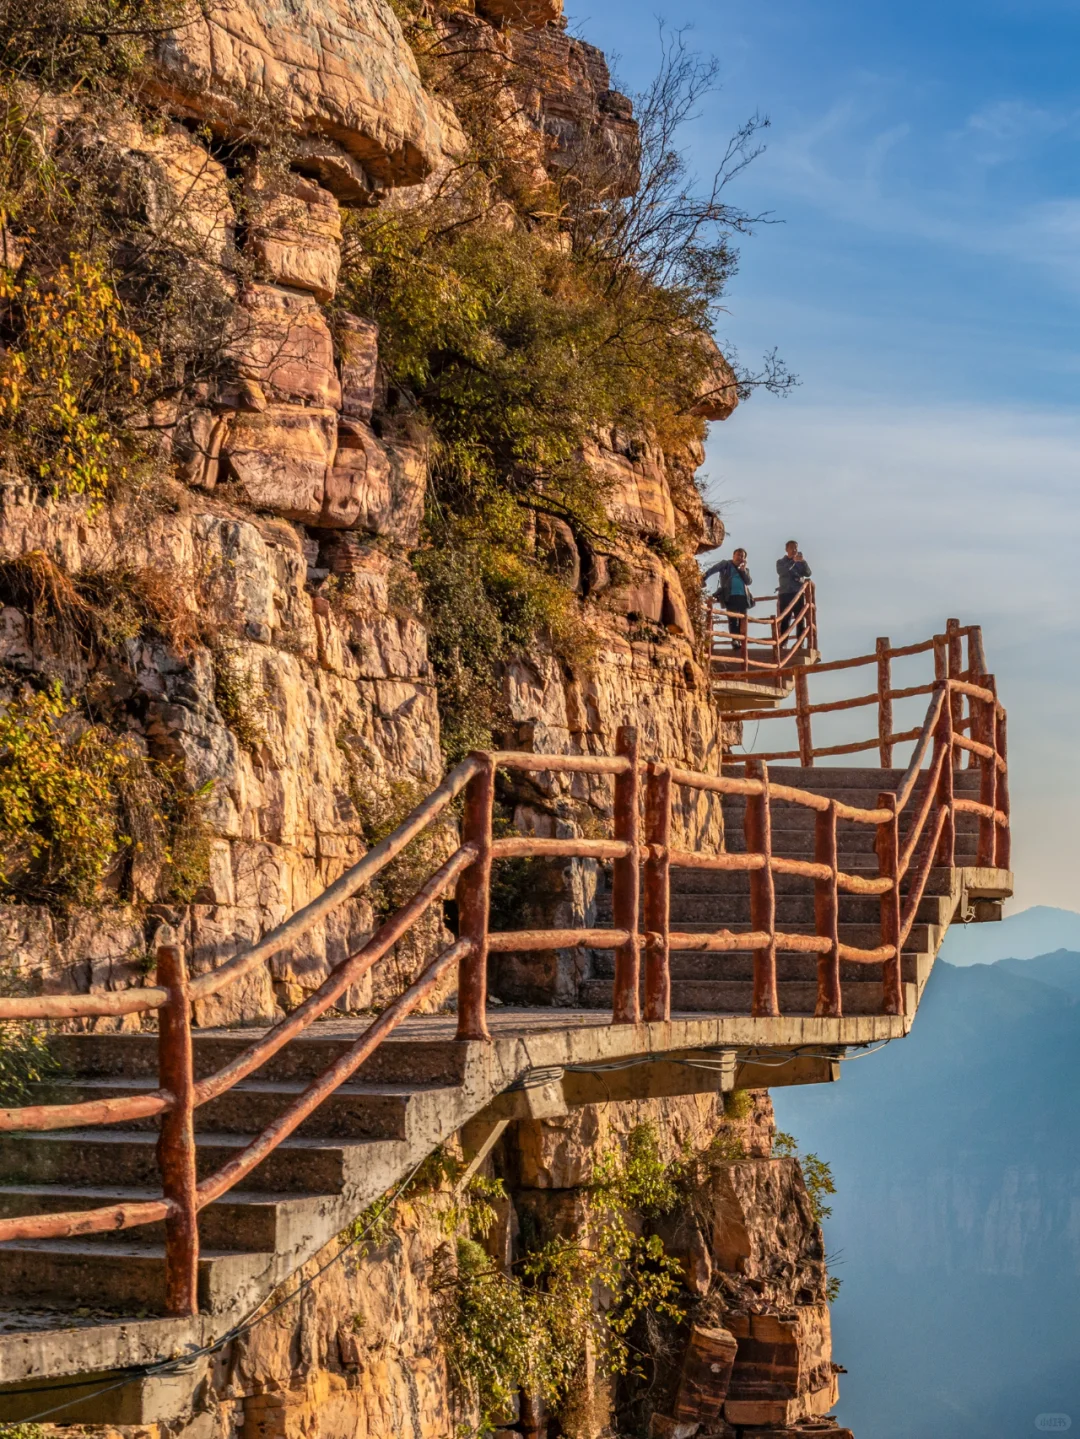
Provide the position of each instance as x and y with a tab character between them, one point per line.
702	901
292	1199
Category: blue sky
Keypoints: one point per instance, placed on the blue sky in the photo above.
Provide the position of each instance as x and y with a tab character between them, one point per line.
925	285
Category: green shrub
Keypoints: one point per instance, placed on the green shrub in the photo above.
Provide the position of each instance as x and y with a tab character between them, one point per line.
816	1172
24	1048
239	694
58	799
77	802
532	1328
83	42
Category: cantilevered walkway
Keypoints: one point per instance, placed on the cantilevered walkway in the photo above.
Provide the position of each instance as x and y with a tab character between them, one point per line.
156	1196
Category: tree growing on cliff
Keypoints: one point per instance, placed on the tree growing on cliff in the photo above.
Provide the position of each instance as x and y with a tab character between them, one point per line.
522	320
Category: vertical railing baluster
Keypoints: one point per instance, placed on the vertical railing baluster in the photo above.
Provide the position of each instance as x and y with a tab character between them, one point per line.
827	915
813	613
802	718
758	829
658	893
988	776
625	884
885	714
888	850
176	1140
976	654
744	632
943	739
1003	840
956	699
474	903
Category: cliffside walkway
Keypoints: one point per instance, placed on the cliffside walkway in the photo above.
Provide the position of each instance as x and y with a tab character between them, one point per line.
173	1181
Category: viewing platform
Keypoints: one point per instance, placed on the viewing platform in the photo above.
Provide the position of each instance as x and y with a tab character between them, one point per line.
755	665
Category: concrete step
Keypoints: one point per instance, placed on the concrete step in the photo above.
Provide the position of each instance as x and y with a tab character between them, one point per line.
699	881
102	1157
354	1111
793	912
396	1061
828	779
857	844
739	965
127	1278
859	936
240	1221
735	996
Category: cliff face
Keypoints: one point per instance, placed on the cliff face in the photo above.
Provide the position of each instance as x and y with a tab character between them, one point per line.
361	1343
299	702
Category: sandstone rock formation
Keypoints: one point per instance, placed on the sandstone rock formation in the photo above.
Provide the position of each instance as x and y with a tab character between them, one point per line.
301	493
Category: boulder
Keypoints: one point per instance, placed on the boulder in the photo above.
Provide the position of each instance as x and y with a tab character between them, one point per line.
529	14
358	360
295	237
284	345
635	485
784	1355
329	68
280	458
705	1374
719	392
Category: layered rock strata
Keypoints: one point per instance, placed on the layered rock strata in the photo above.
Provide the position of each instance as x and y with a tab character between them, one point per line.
299	497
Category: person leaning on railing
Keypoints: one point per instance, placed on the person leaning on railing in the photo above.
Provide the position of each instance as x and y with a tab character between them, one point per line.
733	591
793	572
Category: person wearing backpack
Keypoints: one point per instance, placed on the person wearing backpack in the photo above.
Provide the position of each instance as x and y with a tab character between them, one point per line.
733	592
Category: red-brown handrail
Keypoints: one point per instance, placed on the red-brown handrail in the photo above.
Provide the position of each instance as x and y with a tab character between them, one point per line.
787	646
948	664
930	840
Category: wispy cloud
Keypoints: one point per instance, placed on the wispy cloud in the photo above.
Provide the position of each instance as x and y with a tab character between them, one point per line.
913	513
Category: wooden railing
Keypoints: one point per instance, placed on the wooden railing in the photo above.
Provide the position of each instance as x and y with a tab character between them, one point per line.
949	664
640	935
787	639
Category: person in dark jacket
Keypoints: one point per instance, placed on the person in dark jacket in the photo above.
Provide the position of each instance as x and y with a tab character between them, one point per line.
733	590
793	572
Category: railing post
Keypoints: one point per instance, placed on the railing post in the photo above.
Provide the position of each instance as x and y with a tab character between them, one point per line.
176	1140
941	659
744	630
658	893
885	714
956	667
812	601
988	777
946	854
1003	837
888	849
474	902
625	884
827	915
802	717
976	654
758	830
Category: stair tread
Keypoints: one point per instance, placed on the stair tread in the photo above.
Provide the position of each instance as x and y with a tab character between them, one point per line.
145	1084
213	1139
112	1248
134	1194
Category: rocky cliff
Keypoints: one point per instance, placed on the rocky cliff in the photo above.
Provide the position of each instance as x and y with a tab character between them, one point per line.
406	1326
272	662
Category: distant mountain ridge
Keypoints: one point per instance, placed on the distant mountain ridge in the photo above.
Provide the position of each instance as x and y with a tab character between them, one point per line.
956	1224
1061	970
1033	932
